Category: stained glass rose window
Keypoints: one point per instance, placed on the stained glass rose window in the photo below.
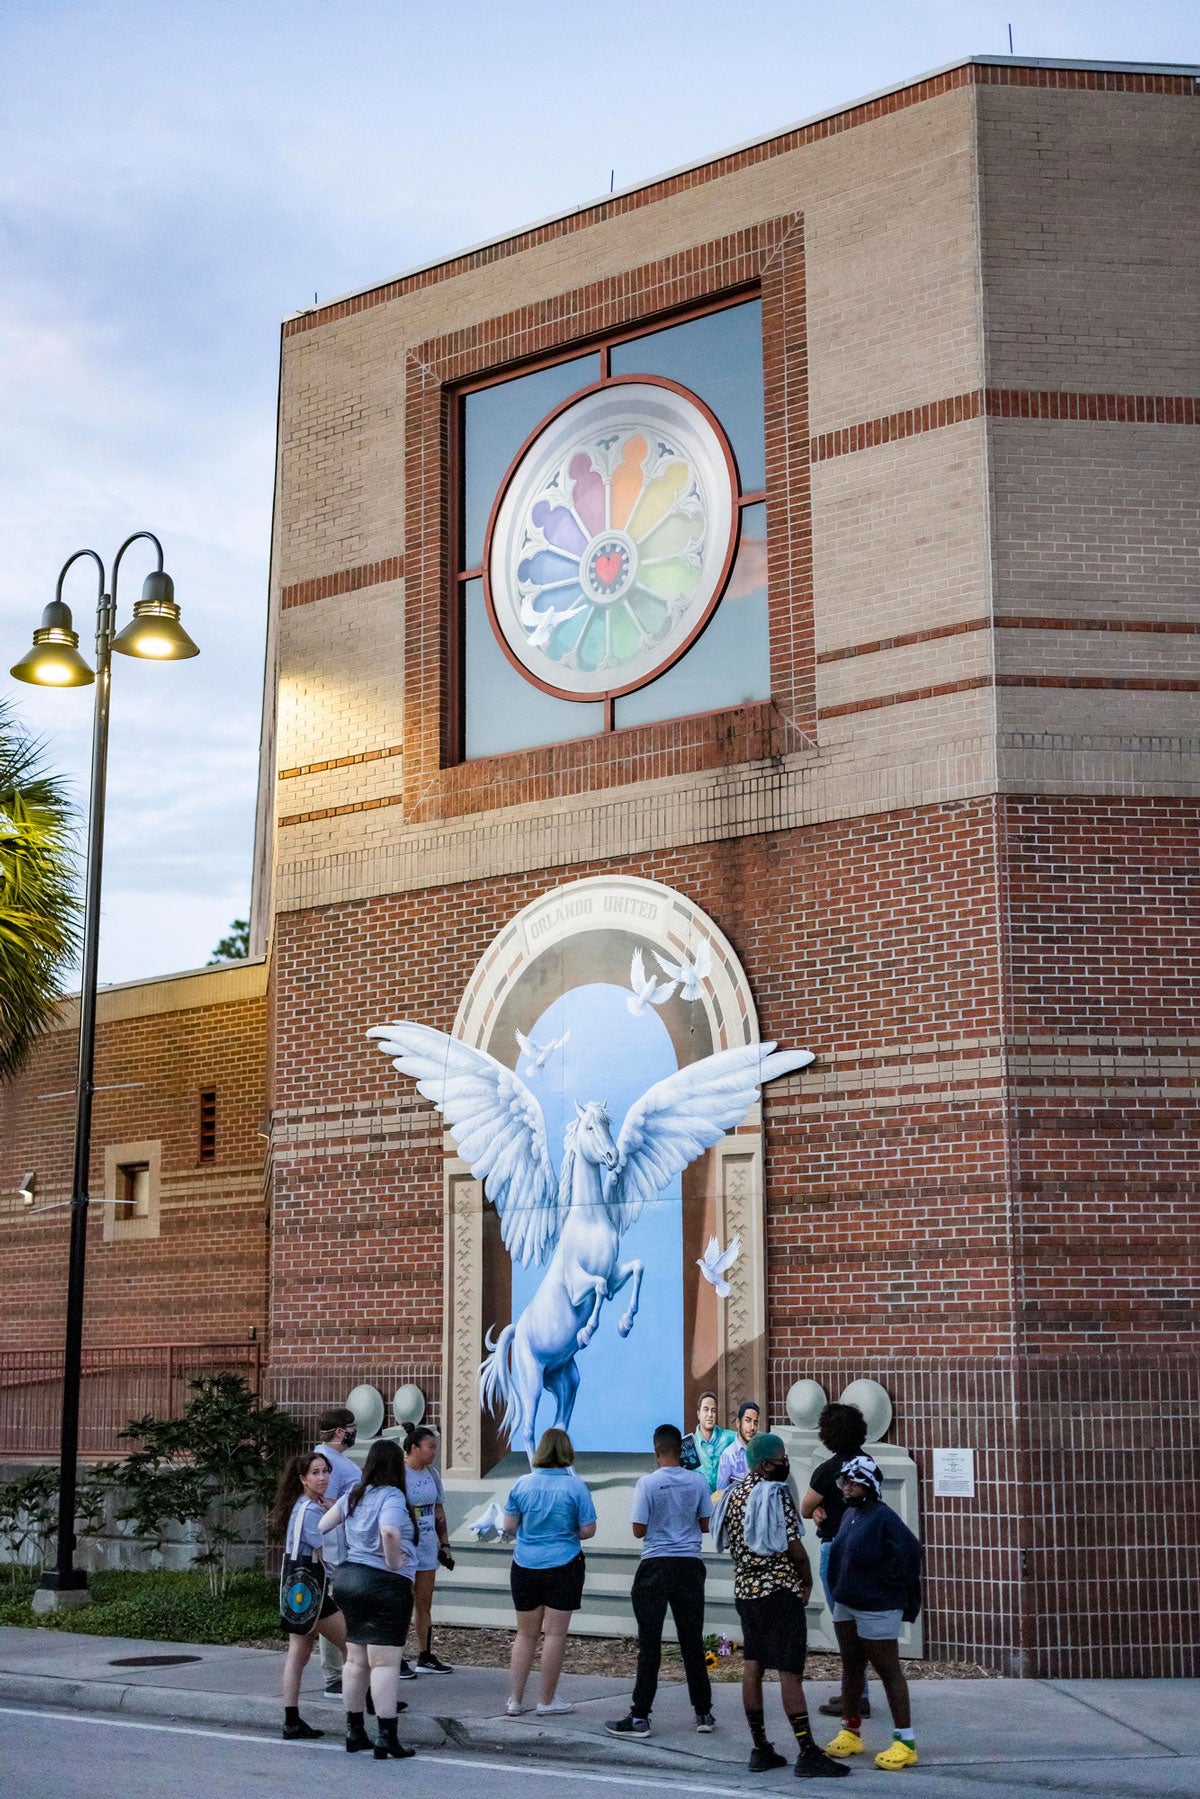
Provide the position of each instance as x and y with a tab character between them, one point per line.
611	539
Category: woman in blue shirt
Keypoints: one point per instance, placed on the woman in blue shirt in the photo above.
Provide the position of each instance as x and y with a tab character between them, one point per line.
375	1592
295	1522
550	1512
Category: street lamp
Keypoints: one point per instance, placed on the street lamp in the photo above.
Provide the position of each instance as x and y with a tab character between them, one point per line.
54	661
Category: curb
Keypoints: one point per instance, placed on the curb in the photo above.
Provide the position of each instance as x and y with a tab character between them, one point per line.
531	1742
198	1707
520	1740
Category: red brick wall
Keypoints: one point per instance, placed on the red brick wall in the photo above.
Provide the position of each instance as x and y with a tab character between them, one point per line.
872	942
204	1276
1103	905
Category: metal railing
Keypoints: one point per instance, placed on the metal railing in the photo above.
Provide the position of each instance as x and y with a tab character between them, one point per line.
118	1384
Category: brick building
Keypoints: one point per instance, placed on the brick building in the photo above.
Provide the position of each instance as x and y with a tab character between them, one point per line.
916	752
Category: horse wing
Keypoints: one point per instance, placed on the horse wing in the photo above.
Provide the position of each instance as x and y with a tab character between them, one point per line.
677	1119
497	1124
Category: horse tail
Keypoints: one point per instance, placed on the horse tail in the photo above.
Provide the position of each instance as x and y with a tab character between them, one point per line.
496	1385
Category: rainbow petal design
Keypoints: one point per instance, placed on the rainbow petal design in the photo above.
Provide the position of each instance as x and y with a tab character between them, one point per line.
610	539
612	551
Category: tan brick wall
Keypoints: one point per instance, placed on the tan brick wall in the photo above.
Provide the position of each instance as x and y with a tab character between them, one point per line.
1091	254
341	695
900	544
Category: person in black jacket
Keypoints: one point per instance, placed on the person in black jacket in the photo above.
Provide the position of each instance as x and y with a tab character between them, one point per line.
843	1430
875	1577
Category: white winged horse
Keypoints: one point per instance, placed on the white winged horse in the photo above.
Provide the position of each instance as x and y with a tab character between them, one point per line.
498	1126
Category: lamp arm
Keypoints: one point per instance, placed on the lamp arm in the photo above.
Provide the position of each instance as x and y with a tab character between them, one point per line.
101	596
135	538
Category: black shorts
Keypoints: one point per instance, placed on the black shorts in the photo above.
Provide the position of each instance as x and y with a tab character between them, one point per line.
560	1588
376	1603
774	1631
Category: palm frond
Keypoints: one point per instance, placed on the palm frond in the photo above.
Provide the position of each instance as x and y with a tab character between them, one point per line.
39	902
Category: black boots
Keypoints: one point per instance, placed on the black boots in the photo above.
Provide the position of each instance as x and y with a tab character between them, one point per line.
356	1734
388	1744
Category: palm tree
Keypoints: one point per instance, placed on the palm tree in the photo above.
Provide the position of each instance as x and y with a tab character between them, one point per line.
39	908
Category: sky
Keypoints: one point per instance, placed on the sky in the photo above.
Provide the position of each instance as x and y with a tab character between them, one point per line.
176	179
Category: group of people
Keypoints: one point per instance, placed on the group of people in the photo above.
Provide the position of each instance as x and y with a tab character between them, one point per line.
383	1532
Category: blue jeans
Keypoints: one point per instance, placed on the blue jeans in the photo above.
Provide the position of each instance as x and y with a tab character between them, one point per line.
825	1548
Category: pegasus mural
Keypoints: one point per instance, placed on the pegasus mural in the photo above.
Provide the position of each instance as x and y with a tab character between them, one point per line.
574	1220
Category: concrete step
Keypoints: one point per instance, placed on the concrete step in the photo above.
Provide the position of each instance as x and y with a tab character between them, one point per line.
477	1593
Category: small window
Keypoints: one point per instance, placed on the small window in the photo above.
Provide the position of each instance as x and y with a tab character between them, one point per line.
208	1125
133	1190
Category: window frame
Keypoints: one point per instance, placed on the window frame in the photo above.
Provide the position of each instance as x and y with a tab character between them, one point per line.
600	344
121	1227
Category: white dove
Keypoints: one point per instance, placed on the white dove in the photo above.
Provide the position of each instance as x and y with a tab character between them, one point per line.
645	992
489	1526
714	1264
539	1054
691	974
540	624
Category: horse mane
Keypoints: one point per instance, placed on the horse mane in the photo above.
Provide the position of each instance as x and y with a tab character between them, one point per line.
566	1175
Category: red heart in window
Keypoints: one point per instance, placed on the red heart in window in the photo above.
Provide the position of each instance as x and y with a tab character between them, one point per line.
609	567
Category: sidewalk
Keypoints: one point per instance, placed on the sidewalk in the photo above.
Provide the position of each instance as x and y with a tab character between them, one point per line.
1009	1725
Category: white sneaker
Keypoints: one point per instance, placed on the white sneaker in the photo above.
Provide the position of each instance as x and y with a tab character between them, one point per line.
514	1709
555	1709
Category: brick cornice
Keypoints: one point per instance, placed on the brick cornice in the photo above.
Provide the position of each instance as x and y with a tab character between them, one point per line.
320	768
1006	403
1009	621
866	112
346	580
1067	683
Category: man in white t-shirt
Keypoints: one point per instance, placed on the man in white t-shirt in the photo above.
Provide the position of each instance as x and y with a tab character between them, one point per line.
670	1513
336	1430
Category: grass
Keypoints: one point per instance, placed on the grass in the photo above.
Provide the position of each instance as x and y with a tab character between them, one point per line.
159	1606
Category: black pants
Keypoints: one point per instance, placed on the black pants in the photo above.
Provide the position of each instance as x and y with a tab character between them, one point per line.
676	1581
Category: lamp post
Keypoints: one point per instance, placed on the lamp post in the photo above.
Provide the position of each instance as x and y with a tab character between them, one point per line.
154	632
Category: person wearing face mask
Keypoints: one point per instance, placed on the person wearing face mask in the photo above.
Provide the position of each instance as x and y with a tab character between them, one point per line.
772	1583
875	1578
336	1430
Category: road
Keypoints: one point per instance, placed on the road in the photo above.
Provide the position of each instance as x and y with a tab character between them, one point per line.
48	1754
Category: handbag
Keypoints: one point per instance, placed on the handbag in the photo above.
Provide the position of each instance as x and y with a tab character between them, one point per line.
302	1583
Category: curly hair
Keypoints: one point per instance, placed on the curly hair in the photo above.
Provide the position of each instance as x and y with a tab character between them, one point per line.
842	1429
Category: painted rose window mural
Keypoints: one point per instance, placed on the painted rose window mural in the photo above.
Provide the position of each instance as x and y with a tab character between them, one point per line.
612	549
612	539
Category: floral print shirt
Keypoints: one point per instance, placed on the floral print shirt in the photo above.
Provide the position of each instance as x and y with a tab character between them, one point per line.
758	1576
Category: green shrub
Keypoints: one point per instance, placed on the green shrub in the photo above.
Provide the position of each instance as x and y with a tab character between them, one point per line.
206	1468
158	1606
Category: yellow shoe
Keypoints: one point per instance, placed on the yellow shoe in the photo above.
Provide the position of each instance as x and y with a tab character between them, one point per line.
897	1755
846	1742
